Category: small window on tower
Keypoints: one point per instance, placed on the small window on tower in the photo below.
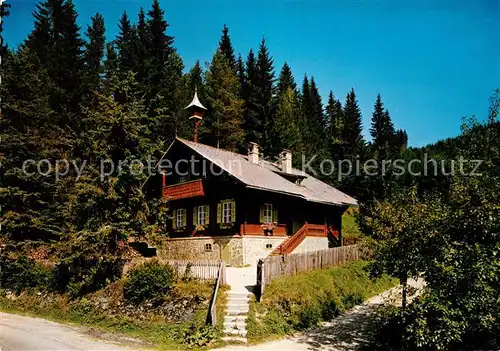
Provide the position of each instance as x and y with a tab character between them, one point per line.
269	246
208	248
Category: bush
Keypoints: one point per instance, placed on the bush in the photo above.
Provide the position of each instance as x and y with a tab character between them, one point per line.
149	281
196	336
22	273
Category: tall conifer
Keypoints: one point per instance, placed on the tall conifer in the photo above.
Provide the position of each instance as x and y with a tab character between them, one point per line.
226	48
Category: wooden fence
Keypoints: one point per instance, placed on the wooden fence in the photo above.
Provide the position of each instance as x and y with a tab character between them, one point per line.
212	308
201	269
276	266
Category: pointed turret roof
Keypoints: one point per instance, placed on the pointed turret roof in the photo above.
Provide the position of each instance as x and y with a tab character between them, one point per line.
196	102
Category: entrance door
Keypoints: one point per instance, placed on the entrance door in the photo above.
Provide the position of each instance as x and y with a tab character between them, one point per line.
227	252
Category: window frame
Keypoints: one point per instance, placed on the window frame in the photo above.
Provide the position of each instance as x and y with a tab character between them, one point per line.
179	217
227	212
268	213
202	210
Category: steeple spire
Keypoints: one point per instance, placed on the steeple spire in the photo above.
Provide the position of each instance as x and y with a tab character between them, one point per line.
197	111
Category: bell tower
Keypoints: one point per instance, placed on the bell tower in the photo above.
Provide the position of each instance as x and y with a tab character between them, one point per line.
197	110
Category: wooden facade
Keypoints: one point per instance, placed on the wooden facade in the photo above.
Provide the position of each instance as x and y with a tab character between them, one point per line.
210	202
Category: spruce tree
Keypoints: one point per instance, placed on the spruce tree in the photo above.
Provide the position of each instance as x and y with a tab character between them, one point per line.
240	71
285	80
354	142
382	130
264	92
124	43
335	118
57	43
226	48
4	12
222	126
286	129
252	123
94	52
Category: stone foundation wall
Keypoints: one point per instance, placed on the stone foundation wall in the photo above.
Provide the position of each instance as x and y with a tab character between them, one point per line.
234	250
195	249
312	243
255	247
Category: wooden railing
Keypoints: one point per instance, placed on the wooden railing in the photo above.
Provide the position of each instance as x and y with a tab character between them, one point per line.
256	229
306	230
212	308
276	266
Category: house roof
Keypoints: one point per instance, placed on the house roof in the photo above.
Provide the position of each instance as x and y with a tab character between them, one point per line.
264	176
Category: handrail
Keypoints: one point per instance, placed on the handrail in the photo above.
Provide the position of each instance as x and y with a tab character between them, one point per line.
212	308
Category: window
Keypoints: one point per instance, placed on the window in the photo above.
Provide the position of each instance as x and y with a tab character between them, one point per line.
208	247
201	215
269	246
268	213
227	212
180	216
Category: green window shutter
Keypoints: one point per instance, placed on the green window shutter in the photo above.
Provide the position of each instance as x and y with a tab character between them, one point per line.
207	213
233	212
195	215
219	212
174	219
262	219
184	218
275	214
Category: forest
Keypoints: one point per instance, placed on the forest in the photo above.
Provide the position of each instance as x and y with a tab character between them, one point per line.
70	93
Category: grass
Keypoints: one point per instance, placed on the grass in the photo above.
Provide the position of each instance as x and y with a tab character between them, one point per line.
300	302
349	226
153	329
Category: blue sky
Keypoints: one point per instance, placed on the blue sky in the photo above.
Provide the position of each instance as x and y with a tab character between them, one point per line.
432	61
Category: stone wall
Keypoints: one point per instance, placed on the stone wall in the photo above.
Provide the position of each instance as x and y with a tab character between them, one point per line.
312	243
255	247
196	249
234	250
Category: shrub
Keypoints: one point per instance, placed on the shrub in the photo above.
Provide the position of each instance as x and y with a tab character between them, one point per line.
149	281
22	273
196	336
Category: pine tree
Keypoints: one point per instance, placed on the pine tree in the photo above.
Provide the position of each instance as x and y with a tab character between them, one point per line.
354	142
226	48
141	54
94	52
111	62
317	117
223	124
264	91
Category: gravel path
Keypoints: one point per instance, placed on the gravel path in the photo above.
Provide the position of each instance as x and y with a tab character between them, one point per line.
348	331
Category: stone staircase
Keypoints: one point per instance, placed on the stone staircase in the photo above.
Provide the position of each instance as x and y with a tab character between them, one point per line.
236	316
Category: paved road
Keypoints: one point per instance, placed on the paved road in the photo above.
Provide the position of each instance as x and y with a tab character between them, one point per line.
26	333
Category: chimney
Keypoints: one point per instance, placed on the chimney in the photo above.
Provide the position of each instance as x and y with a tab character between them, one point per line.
253	153
286	161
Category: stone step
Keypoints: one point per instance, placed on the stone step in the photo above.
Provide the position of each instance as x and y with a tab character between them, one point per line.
237	311
235	325
239	294
237	319
237	332
244	300
235	339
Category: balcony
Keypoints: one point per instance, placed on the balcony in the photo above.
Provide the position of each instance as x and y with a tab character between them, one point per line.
184	190
257	229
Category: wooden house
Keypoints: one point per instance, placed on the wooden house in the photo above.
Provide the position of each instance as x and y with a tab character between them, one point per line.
239	208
